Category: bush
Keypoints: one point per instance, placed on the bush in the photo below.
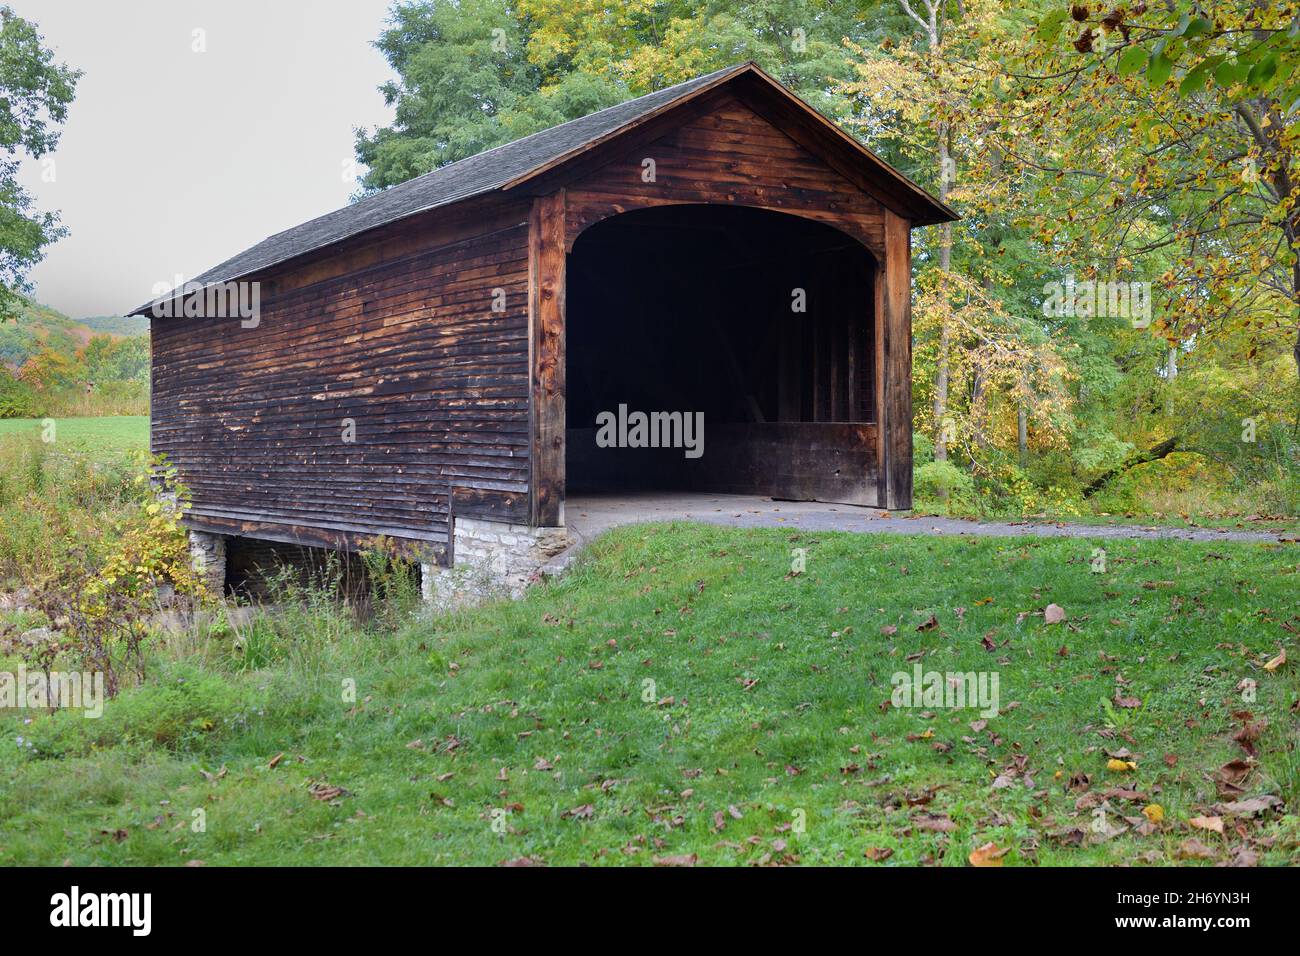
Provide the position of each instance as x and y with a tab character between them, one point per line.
181	708
17	400
943	485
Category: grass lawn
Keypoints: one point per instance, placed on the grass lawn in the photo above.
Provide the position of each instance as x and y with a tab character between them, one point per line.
109	434
681	695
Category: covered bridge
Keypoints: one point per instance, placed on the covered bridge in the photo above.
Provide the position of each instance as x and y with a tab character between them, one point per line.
443	354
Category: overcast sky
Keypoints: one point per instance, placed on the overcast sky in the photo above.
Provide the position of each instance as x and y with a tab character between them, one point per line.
173	160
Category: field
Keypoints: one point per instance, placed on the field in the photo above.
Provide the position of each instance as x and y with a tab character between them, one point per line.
108	435
682	696
693	695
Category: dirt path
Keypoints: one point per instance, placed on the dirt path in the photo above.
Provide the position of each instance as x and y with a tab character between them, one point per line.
589	515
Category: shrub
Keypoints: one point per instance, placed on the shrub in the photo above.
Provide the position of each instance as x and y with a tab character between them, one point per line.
942	484
182	708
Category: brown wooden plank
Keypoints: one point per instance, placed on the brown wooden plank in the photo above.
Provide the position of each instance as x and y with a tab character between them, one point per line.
895	322
546	255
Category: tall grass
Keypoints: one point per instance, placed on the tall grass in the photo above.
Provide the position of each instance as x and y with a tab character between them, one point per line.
58	505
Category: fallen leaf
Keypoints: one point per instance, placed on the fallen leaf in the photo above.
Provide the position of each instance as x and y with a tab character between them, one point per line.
1120	766
1207	823
1231	776
685	859
1243	856
325	793
275	761
1194	849
1153	812
1276	662
935	823
987	855
1054	614
1248	808
878	853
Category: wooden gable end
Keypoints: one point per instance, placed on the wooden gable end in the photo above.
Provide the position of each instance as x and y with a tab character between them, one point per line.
722	151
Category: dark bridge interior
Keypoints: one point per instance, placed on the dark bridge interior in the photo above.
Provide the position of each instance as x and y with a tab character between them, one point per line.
761	321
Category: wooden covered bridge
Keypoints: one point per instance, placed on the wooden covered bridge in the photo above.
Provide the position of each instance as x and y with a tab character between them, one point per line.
440	352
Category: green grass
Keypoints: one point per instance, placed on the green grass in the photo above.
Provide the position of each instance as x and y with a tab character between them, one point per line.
105	436
1266	524
770	696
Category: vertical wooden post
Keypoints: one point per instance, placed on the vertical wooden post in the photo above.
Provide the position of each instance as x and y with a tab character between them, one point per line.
893	296
546	283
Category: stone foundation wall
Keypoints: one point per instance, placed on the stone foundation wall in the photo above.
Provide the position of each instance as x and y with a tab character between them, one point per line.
208	555
492	559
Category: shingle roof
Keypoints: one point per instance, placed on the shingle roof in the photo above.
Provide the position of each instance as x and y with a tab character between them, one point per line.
464	179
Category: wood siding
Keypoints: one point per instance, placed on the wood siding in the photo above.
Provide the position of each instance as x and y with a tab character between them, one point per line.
460	410
728	150
408	348
727	154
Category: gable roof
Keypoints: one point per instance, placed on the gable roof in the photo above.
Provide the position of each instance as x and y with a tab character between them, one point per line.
510	165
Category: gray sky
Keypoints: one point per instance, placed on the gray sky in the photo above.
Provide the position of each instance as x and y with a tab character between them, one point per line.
173	160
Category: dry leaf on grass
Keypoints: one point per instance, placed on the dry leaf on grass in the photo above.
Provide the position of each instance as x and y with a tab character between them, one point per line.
1194	849
987	855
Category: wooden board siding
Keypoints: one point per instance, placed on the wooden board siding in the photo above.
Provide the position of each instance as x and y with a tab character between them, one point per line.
546	305
729	154
407	346
798	461
894	331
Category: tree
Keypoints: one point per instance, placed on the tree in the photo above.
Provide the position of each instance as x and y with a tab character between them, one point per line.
1179	129
34	96
929	97
473	74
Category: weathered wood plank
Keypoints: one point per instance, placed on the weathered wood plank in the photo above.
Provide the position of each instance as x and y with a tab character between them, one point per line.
895	298
546	254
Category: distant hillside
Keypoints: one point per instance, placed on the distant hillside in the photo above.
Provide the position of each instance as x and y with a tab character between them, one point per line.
40	326
119	324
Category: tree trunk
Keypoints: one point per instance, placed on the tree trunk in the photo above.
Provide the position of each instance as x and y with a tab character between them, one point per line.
1022	433
942	372
1171	373
1154	453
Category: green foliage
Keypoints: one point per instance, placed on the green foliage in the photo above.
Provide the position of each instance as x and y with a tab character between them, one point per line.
58	505
942	484
51	365
473	74
35	92
181	708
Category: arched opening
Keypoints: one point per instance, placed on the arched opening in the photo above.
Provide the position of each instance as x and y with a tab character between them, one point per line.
756	324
